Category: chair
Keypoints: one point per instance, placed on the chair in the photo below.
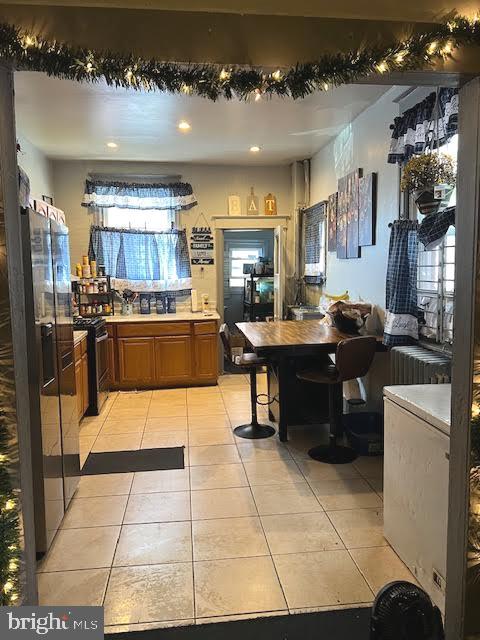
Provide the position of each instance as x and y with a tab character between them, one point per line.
352	360
249	362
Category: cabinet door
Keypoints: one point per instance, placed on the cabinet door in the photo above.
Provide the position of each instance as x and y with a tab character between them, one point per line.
85	384
79	386
136	359
112	366
173	359
206	357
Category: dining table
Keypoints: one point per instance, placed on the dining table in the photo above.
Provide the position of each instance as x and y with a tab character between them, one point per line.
288	345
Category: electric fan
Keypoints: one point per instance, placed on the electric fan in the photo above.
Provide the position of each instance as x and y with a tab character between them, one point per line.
403	611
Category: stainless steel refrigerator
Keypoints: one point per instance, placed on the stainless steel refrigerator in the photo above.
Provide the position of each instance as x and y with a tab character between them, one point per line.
52	392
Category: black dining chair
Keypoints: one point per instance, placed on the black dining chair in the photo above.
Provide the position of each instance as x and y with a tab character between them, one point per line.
248	362
353	358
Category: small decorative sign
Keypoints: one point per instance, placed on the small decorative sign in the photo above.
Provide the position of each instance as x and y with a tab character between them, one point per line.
201	244
234	206
270	205
252	204
367	209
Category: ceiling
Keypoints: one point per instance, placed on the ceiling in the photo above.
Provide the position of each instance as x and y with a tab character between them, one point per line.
70	120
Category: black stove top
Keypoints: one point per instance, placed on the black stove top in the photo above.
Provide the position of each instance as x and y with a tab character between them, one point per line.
94	325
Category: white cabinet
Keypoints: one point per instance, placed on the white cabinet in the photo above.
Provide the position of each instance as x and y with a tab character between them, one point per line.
416	473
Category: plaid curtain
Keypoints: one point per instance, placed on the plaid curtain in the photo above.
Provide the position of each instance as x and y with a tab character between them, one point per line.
433	227
314	256
176	196
401	318
142	260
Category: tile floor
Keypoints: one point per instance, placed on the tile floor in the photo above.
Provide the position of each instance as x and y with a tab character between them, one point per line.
247	527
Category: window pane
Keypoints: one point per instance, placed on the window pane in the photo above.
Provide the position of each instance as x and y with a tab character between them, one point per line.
238	257
146	220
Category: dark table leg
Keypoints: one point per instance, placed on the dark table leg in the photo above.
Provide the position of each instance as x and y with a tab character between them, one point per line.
282	400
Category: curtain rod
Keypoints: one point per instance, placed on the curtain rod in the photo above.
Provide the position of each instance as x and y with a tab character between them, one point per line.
123	177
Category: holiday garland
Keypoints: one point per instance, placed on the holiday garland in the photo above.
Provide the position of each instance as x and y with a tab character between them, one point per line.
9	525
418	51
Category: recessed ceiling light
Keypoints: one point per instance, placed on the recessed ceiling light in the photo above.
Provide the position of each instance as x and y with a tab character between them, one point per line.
183	125
254	149
112	145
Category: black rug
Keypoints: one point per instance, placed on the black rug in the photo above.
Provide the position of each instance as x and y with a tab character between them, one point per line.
128	461
346	624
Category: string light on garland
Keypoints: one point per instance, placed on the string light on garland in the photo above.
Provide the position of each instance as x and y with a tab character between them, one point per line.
29	51
9	525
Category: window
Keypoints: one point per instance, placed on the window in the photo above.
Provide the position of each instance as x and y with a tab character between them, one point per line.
238	257
436	279
144	219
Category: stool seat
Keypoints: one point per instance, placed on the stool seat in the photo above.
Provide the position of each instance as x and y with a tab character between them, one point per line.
323	375
250	360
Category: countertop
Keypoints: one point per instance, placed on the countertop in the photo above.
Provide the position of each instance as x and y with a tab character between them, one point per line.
78	336
163	317
430	402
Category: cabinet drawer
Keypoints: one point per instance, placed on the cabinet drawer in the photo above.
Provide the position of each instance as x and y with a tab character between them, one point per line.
110	330
83	346
202	328
77	351
152	329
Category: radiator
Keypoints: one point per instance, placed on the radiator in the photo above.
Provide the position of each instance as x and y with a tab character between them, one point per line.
417	365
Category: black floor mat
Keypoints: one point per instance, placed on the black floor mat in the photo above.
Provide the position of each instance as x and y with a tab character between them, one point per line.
346	624
128	461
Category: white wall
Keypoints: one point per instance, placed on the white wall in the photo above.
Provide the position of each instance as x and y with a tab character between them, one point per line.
38	168
363	144
211	184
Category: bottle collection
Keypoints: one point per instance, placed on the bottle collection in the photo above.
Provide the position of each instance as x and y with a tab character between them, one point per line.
92	281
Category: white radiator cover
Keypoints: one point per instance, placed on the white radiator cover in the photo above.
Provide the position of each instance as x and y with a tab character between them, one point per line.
417	365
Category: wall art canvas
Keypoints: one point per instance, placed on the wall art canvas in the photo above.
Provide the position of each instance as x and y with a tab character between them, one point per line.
270	205
342	210
367	209
353	248
252	204
332	221
234	205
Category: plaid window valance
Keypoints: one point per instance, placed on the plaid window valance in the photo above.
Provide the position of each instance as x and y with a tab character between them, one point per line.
430	123
314	243
142	260
176	196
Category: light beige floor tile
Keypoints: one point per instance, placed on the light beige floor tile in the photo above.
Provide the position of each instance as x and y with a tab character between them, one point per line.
90	427
154	543
377	485
321	578
273	472
171	506
238	418
164	480
353	493
112	629
122	425
218	476
127	413
95	512
121	442
132	402
222	503
318	471
215	454
381	565
202	392
81	549
241	585
300	440
165	410
86	442
178	423
219	421
232	379
236	396
149	593
370	466
106	484
286	498
359	527
228	538
159	439
262	450
170	394
242	616
85	587
204	437
206	409
300	532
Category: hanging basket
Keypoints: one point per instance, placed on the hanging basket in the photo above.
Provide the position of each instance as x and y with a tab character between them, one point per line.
428	203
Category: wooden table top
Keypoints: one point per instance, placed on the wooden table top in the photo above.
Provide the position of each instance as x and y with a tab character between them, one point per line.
290	333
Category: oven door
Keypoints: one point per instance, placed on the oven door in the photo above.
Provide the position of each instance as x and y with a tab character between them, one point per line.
103	374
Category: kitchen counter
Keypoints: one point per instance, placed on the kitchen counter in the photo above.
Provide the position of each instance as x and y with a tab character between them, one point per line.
78	336
162	317
430	402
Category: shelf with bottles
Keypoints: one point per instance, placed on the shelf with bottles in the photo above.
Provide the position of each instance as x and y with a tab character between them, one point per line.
258	295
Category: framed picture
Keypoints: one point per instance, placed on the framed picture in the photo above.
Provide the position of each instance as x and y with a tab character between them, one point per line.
353	247
332	222
367	209
342	209
234	206
48	200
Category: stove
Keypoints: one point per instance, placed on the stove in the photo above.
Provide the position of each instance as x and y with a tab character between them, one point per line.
96	326
98	361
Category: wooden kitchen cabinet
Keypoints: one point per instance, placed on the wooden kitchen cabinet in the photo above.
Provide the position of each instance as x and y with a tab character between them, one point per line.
79	387
112	361
136	362
81	377
173	360
85	383
206	357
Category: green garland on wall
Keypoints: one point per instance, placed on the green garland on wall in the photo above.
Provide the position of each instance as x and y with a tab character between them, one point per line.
9	525
419	51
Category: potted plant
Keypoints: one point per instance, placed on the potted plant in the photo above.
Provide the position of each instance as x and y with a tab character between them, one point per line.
423	173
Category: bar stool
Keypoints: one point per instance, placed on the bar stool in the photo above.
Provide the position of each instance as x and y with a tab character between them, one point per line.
352	360
249	362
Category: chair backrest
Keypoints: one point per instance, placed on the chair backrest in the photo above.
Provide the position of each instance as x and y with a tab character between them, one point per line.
224	333
354	356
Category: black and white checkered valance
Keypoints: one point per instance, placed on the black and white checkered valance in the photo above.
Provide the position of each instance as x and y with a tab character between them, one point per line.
433	227
314	239
176	196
